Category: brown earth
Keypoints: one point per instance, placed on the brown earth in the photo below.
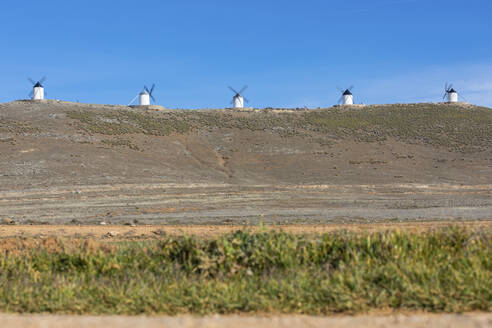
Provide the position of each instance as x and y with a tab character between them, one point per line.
68	163
43	232
477	320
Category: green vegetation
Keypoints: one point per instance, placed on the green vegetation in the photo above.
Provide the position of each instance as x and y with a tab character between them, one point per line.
120	122
455	127
120	142
16	127
447	270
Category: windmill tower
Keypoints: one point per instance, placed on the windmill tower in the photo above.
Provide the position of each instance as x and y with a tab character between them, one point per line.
238	99
144	96
347	97
450	94
37	92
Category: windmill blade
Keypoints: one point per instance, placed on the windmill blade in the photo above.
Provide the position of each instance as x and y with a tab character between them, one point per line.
246	99
146	89
42	79
31	80
133	100
152	97
350	88
152	89
30	94
339	89
233	90
462	97
45	93
450	86
340	100
243	89
446	86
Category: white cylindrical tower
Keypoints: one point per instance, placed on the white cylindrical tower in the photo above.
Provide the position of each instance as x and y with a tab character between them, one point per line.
347	98
238	101
144	98
38	92
452	96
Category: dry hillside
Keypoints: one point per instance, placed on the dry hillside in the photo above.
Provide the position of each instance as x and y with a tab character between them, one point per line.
68	162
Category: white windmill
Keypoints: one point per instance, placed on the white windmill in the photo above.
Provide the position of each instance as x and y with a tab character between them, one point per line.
144	96
450	94
37	92
238	99
346	98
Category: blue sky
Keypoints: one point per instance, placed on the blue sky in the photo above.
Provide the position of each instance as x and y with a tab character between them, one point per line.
290	53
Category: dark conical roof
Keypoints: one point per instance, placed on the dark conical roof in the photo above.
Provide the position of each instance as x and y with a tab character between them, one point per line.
347	93
38	85
452	91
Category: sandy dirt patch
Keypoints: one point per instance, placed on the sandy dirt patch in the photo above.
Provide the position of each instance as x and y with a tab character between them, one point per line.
393	321
153	231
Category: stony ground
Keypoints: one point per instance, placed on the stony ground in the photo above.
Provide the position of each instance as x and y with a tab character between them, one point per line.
245	204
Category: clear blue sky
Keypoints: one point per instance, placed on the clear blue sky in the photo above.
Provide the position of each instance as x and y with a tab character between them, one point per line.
290	53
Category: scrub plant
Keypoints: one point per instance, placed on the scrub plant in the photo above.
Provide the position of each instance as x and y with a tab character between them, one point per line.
264	272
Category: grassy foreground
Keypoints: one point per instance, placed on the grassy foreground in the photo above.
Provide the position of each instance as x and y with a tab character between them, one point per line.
440	271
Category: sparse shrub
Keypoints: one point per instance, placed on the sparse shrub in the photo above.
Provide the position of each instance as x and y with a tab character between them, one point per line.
457	128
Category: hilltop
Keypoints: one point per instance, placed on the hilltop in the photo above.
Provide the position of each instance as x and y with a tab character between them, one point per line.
49	145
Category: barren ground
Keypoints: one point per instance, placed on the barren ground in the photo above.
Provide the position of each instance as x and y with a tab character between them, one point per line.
36	233
67	163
